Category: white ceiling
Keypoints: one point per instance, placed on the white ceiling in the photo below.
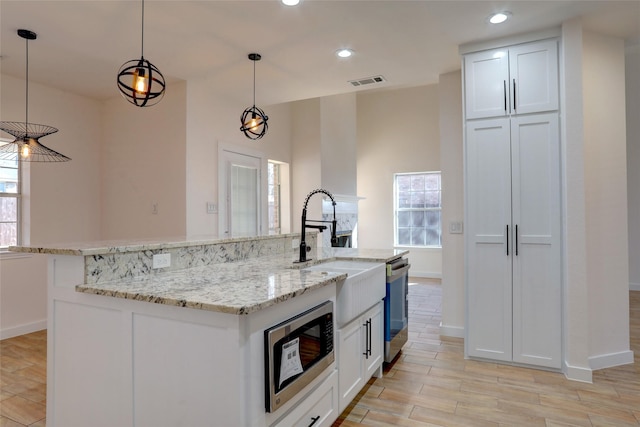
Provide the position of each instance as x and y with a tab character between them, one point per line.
82	44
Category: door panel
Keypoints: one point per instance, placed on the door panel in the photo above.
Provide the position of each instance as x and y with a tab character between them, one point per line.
488	209
244	208
537	265
486	84
239	190
534	68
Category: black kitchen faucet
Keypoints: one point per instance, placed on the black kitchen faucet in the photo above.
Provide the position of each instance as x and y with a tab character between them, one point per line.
303	244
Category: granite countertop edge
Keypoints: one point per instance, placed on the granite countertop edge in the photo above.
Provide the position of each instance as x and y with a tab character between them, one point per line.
105	247
238	288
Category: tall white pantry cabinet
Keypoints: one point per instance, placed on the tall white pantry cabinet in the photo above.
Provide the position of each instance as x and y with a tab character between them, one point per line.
513	205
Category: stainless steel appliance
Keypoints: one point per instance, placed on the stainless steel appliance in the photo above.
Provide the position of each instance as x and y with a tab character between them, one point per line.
396	308
297	351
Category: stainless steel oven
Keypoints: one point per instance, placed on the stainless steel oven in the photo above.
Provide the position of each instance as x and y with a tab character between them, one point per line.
297	351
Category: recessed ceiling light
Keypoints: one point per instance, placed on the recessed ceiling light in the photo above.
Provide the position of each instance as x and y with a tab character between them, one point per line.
344	53
290	2
500	17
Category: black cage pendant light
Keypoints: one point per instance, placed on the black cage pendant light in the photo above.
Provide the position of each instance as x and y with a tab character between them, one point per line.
253	119
140	82
26	146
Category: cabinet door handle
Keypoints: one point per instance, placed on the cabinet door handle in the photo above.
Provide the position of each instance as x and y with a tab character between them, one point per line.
314	420
369	332
507	239
514	95
366	337
516	239
504	90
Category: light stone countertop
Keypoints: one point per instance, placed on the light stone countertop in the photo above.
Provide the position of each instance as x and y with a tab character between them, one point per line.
241	287
104	247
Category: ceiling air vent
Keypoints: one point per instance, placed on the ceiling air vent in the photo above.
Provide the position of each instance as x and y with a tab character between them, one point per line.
367	81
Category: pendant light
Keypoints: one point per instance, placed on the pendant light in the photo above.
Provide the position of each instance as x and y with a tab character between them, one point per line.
26	146
140	82
253	119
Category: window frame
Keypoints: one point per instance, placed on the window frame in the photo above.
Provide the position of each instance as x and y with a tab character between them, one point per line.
397	209
19	198
277	203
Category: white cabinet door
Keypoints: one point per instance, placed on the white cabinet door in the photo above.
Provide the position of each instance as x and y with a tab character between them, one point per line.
521	79
513	241
533	70
350	348
537	288
488	201
319	409
486	77
375	353
360	352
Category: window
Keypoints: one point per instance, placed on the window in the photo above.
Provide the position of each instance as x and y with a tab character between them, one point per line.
9	202
417	207
274	202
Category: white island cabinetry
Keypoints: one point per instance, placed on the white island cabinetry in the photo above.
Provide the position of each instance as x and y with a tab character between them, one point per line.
118	362
129	346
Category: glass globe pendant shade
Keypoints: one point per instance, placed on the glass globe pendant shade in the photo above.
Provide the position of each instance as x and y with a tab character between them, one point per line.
254	123
141	83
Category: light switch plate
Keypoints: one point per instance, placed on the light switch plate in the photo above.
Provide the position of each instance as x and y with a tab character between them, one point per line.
455	227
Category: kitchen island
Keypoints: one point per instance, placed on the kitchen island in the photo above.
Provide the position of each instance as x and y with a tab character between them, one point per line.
133	345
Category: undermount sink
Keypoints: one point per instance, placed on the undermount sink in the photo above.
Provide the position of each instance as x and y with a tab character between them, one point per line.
364	286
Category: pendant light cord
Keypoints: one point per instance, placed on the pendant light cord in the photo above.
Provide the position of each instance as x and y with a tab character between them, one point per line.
254	82
26	114
142	54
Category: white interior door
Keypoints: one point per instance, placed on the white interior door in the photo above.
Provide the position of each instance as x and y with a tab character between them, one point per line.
240	194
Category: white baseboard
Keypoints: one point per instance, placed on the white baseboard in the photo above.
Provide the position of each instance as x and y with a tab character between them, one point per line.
576	373
610	360
425	274
22	329
634	286
451	331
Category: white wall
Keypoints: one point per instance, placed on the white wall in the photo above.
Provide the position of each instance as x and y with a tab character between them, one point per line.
144	165
64	198
306	152
633	160
576	298
398	131
211	120
596	308
338	144
606	196
451	163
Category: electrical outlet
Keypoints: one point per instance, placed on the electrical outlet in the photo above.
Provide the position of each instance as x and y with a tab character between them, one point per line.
154	208
162	260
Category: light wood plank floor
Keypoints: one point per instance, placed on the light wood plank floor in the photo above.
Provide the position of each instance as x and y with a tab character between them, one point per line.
430	383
